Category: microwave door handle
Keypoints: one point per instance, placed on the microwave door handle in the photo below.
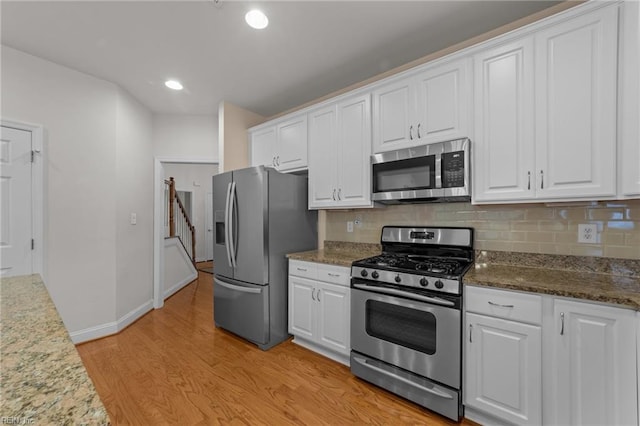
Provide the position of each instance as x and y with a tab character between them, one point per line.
227	225
394	292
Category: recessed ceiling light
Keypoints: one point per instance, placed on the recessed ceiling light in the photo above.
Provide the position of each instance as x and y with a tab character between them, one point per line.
256	19
173	84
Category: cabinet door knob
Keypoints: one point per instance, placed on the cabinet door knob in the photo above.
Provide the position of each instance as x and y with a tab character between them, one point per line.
278	160
528	180
419	136
411	132
339	194
318	295
313	294
470	330
334	194
561	323
541	179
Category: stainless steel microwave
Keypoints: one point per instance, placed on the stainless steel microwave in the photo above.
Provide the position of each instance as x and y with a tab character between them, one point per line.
427	173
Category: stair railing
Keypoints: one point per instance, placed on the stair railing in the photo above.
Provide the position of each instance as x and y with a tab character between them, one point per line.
178	220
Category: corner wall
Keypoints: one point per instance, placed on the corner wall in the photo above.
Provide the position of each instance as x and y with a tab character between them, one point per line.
233	142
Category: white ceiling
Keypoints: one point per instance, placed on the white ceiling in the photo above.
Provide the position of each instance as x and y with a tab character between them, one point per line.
310	49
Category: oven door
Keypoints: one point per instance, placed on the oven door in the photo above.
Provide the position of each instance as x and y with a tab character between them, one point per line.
421	336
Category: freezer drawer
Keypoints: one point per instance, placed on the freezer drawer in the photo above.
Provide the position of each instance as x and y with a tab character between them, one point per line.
242	309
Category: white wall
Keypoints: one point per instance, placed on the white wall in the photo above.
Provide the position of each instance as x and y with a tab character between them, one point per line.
97	143
134	184
197	179
185	136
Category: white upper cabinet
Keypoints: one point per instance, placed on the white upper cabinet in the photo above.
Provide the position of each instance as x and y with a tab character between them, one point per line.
503	147
430	106
282	144
545	108
629	92
339	151
576	81
263	146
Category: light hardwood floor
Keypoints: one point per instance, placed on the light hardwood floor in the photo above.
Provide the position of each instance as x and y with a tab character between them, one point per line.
174	367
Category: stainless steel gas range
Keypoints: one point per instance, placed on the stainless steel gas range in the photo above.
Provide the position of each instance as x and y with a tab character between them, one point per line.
406	315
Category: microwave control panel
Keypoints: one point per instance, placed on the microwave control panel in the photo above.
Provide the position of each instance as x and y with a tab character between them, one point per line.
453	169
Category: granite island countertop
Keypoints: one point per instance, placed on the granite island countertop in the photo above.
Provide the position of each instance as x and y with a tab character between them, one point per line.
43	378
606	280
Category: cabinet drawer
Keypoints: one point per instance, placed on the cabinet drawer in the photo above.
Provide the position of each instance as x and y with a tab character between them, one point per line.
504	304
334	274
303	269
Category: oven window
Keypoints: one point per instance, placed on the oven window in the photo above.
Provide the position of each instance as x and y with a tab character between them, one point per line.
401	325
410	174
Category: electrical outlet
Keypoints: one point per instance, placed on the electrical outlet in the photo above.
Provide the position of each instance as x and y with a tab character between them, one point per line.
134	218
349	226
588	233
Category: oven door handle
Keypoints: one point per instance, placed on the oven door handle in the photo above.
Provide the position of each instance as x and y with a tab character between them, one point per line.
394	292
434	391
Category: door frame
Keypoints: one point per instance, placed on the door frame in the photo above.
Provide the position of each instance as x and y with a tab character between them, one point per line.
38	265
158	219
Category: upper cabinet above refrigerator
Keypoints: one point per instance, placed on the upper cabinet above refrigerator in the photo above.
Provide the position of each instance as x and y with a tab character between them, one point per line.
280	144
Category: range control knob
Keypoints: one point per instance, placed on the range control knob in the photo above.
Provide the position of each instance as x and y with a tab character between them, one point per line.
364	273
398	279
375	275
424	282
439	284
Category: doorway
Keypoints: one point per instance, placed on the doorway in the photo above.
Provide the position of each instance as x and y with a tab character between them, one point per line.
21	194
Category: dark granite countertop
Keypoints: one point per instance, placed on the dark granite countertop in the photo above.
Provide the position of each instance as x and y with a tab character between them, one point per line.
338	253
614	281
43	378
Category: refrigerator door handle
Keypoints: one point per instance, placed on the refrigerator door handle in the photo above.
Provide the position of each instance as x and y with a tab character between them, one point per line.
227	224
233	235
237	287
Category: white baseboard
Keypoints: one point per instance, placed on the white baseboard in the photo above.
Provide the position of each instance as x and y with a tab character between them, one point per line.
93	333
169	292
104	330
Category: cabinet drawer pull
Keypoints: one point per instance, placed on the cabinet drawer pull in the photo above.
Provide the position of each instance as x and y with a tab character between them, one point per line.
470	330
499	305
339	194
301	269
318	295
561	323
313	294
528	180
334	194
410	132
419	136
541	179
333	275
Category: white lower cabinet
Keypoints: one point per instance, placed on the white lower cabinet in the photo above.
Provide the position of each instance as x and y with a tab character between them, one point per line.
593	378
319	308
556	361
503	356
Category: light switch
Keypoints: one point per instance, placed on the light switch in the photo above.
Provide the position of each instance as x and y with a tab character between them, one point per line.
134	219
349	226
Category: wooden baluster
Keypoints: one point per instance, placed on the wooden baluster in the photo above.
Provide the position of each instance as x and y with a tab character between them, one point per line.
172	197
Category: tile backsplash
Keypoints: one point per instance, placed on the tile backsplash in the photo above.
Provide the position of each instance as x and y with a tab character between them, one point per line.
530	228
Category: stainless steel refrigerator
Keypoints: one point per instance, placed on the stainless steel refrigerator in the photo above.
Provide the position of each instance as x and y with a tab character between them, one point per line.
260	215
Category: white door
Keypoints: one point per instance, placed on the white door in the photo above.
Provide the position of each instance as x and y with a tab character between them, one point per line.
504	369
208	214
263	146
323	161
393	112
302	307
504	149
354	149
334	317
292	144
15	202
576	81
595	365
